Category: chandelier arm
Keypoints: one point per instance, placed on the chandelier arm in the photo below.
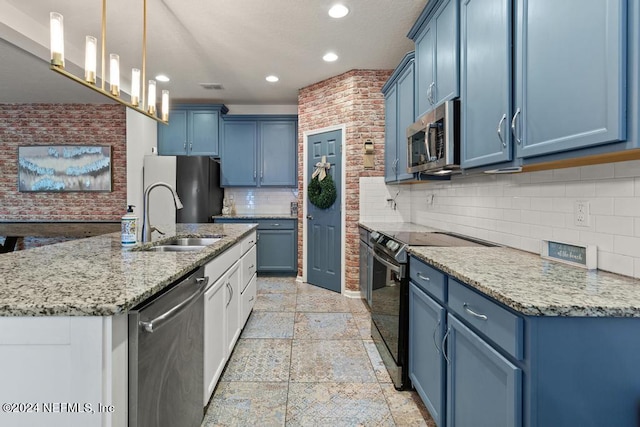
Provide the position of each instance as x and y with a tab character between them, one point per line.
104	41
145	102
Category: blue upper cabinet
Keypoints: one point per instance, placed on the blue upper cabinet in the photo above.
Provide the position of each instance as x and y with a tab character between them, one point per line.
485	82
391	133
437	55
278	153
399	115
238	163
193	130
570	75
259	151
172	138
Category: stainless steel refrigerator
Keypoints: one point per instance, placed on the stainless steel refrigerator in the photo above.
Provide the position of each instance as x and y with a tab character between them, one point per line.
197	181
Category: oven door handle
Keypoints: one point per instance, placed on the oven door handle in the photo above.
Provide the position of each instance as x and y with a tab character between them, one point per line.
395	268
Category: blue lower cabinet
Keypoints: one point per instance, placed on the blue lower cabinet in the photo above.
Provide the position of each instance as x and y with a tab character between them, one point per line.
484	388
277	246
277	251
426	363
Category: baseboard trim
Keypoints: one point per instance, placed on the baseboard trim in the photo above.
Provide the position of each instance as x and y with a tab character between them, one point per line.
353	294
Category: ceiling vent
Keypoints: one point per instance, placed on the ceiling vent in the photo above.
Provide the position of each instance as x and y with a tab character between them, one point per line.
212	86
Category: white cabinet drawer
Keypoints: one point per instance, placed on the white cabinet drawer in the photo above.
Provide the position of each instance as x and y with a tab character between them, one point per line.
248	299
248	242
248	265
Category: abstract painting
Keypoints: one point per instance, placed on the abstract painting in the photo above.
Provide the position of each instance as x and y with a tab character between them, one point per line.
60	168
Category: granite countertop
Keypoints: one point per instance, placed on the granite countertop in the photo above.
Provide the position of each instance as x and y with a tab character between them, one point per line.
96	276
535	286
257	216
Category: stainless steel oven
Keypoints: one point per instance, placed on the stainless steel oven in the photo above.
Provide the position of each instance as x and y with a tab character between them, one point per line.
433	141
390	294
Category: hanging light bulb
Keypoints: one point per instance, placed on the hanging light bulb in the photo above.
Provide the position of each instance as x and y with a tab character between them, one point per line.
56	28
114	74
165	105
90	50
135	87
151	100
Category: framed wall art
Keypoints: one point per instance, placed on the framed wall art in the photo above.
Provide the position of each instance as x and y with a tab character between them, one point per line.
62	168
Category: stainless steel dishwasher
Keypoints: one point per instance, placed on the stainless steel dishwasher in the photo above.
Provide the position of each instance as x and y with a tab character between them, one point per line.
166	342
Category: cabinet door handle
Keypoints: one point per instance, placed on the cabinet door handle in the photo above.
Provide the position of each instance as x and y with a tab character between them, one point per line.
191	146
251	299
504	117
261	175
185	146
420	276
513	127
444	339
473	313
255	174
251	266
230	294
431	96
435	342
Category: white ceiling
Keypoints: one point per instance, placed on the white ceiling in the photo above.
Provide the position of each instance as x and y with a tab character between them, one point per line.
236	43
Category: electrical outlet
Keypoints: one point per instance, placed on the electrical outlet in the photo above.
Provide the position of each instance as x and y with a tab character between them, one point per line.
581	213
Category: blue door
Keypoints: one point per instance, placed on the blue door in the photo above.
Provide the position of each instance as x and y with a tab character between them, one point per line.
323	232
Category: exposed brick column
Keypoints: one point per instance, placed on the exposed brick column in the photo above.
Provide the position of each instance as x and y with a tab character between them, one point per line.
353	99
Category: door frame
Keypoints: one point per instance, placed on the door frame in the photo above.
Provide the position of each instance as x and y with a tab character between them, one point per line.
343	212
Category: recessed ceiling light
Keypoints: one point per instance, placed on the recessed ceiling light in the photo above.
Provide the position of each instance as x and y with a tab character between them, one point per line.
330	57
272	79
338	11
162	78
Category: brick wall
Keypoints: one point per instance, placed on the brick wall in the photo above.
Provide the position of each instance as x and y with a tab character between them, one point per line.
62	124
353	99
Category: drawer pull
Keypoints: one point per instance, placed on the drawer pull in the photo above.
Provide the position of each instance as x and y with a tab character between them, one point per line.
251	299
420	276
275	225
251	266
473	313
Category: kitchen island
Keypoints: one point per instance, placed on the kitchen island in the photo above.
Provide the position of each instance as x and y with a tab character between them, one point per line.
63	324
521	340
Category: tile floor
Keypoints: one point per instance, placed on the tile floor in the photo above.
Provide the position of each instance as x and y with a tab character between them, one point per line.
306	358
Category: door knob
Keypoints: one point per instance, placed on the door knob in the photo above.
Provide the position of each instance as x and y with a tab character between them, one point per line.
309	216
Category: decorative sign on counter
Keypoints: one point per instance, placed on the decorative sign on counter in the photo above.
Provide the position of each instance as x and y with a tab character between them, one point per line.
573	254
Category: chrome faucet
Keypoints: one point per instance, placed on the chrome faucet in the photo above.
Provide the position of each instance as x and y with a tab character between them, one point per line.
147	228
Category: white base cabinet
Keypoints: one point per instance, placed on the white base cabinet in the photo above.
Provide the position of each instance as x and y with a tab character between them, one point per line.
228	302
66	371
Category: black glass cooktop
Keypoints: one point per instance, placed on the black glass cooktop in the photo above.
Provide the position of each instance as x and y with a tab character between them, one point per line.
435	239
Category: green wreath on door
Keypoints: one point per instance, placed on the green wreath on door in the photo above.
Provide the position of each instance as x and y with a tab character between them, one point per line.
321	189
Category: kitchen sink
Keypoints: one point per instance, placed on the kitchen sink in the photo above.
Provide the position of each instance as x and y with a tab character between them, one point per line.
174	248
192	241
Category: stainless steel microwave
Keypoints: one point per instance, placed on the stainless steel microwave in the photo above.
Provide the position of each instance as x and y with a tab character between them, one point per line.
433	141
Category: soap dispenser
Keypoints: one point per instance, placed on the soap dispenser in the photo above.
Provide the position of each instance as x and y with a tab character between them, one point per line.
129	235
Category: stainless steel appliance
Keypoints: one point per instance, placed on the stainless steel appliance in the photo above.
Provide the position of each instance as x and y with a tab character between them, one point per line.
390	294
166	340
433	141
197	182
198	185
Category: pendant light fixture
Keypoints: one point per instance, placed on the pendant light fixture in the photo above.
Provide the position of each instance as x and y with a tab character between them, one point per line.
91	46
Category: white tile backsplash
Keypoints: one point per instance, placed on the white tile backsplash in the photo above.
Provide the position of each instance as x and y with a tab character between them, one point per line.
262	200
521	210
